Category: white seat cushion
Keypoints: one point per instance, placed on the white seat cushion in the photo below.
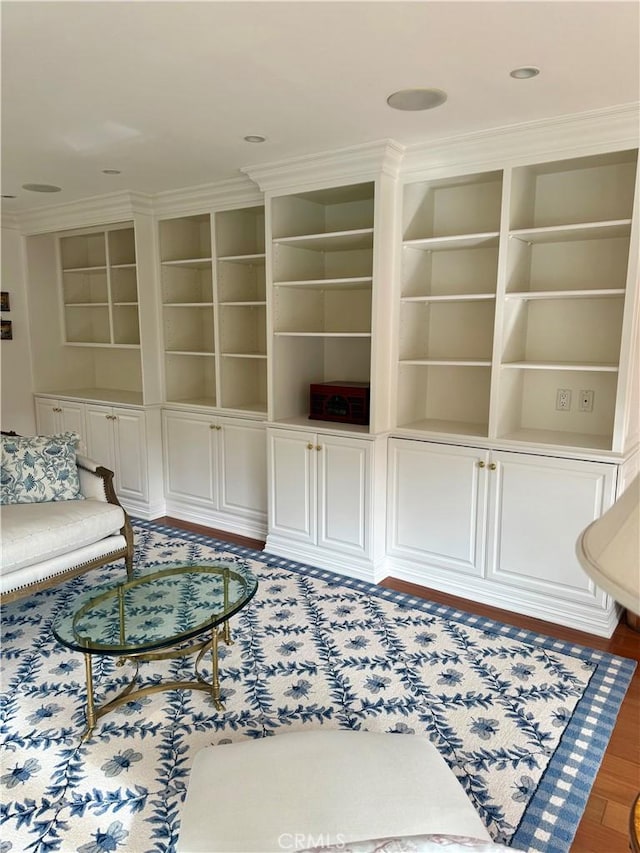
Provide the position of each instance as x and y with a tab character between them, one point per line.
32	533
286	791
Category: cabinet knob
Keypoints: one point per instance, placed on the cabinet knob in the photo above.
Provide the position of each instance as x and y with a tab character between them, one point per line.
218	426
492	466
481	464
318	447
309	446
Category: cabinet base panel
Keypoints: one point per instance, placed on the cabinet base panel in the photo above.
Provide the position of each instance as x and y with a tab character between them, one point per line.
591	620
250	528
342	564
140	509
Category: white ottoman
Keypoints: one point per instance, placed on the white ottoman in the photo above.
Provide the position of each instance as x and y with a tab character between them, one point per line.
320	788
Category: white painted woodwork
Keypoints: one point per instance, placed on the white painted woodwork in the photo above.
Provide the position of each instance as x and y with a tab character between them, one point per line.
212	268
320	490
438	504
215	471
117	437
499	527
54	416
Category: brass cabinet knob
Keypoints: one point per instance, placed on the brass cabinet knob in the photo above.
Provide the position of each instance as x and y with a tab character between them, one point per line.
481	464
318	447
492	466
309	446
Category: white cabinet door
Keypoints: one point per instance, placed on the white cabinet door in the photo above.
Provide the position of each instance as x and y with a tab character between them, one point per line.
242	466
320	490
437	504
129	439
54	416
292	483
116	438
190	458
100	444
344	471
538	507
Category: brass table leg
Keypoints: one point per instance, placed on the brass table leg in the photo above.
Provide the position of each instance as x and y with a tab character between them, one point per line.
215	679
91	712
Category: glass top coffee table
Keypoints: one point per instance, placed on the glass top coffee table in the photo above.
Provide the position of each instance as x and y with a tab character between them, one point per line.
170	613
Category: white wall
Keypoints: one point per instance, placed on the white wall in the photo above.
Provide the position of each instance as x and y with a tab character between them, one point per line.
16	411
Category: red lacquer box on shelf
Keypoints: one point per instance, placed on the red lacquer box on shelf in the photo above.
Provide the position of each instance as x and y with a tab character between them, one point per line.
343	402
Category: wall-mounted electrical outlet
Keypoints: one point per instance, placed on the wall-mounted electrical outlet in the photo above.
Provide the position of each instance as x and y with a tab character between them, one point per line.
586	401
563	399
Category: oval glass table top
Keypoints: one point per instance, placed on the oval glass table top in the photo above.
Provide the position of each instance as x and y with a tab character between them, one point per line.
156	610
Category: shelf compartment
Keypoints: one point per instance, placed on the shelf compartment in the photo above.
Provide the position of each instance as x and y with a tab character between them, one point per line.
568	264
187	284
83	251
450	272
185	238
243	329
451	207
126	326
444	398
446	330
240	232
124	284
348	208
122	246
188	329
322	310
581	331
295	264
568	192
242	280
528	407
190	379
87	286
87	324
305	360
243	384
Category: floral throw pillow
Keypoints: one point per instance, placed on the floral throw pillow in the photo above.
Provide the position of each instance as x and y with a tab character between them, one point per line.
39	468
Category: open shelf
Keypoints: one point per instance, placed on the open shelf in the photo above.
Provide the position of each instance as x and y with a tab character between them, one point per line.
186	238
446	330
318	309
564	193
425	401
528	407
99	288
326	211
243	384
189	378
240	233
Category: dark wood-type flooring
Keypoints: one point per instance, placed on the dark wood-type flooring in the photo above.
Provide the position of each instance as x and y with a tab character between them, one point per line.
605	824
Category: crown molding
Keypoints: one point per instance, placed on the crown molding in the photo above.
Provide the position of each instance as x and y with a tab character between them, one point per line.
351	165
223	195
575	135
97	210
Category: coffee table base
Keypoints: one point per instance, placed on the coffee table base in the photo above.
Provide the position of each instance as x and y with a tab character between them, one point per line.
198	683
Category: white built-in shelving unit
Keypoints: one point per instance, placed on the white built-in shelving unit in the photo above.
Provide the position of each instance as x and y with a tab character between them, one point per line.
322	284
214	310
513	286
99	288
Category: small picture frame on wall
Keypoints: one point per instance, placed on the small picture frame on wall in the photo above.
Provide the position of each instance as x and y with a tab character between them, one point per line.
5	305
6	330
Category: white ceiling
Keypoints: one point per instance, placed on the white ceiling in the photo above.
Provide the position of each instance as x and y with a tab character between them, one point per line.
166	91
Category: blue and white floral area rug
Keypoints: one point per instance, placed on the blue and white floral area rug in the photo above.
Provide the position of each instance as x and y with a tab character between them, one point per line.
523	720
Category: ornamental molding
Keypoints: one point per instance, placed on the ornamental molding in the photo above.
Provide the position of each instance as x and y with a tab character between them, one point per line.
576	135
222	195
97	210
329	168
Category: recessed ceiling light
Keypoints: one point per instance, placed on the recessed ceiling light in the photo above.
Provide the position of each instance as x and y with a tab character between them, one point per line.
6	195
41	188
111	172
525	72
255	138
417	99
